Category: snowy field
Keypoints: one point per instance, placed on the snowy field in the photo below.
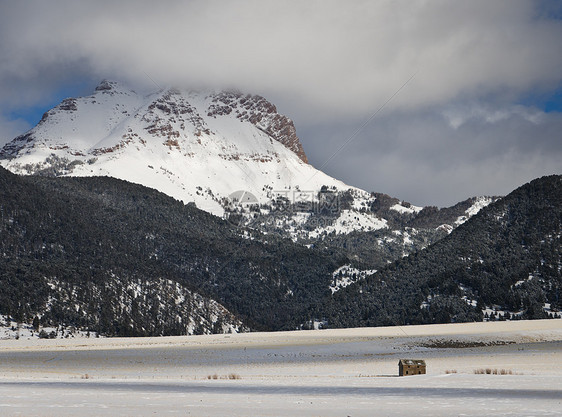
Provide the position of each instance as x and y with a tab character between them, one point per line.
348	372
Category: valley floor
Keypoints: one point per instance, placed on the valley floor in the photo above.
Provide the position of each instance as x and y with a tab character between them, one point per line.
347	372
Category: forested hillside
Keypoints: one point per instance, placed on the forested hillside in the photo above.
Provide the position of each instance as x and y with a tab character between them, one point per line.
509	255
121	259
127	260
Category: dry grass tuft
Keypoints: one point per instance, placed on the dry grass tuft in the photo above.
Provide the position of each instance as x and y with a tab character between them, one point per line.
451	371
229	376
490	371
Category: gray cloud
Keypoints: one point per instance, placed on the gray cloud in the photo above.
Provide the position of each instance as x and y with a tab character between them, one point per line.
419	157
328	65
333	57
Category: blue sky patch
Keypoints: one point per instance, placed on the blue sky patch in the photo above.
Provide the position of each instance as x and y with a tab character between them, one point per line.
33	114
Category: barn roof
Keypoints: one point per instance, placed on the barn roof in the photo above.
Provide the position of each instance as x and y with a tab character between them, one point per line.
411	362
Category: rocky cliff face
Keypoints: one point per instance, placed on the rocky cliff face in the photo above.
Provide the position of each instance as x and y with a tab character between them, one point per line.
262	114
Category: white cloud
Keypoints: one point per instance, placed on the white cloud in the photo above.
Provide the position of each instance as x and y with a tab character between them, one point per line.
457	115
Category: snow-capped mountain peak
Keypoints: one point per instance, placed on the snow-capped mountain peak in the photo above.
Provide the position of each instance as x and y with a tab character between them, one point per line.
195	146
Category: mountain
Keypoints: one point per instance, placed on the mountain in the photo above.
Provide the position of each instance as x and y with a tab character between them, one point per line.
185	212
234	156
508	255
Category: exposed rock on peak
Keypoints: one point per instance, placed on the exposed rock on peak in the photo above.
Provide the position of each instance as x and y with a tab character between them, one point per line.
106	85
262	114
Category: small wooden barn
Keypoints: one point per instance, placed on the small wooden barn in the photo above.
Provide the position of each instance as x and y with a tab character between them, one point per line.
411	367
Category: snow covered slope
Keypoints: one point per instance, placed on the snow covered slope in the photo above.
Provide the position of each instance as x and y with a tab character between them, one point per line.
195	146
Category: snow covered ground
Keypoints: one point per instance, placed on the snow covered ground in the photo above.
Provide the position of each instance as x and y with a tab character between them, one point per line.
347	372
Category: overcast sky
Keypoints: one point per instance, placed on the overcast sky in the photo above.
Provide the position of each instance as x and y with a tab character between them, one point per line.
470	91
